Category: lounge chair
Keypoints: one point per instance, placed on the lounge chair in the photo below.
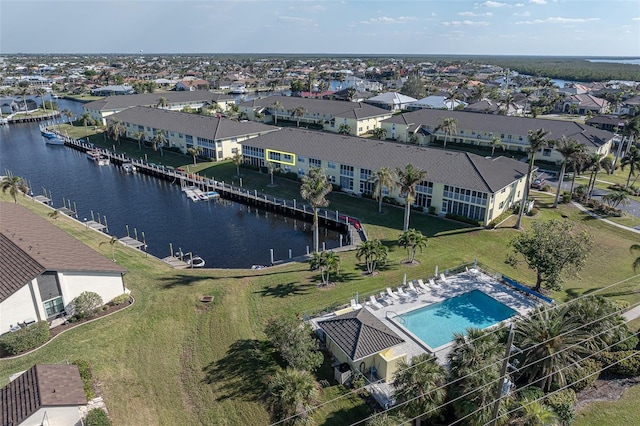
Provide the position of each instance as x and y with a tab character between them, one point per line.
414	289
392	294
385	298
374	302
443	278
432	282
400	292
423	286
355	305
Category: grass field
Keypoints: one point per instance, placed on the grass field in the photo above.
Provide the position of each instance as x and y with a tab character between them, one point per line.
170	359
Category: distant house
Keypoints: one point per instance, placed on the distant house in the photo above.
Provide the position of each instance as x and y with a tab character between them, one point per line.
44	395
43	269
361	340
9	105
391	101
113	90
192	85
582	104
435	102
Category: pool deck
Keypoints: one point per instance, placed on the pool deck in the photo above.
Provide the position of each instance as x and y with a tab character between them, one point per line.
453	286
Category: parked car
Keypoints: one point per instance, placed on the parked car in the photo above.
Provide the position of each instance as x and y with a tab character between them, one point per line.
538	183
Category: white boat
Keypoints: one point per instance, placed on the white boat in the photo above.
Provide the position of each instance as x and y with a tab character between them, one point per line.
129	168
190	259
97	157
209	195
238	89
53	141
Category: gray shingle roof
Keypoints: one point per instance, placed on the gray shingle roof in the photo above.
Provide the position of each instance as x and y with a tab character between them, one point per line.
151	99
359	334
56	385
321	107
457	168
30	245
191	124
500	124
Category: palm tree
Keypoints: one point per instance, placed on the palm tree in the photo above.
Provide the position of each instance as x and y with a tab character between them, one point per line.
237	160
298	112
568	148
632	159
193	152
407	181
139	136
578	161
383	178
344	129
496	142
271	166
85	119
162	102
332	262
419	386
158	141
276	107
14	184
543	365
291	393
537	141
379	133
374	253
412	240
596	163
314	188
115	130
535	413
326	262
449	127
23	92
351	93
41	92
69	114
112	243
636	263
54	215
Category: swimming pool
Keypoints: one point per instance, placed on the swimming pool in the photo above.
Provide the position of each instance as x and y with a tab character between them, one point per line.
435	324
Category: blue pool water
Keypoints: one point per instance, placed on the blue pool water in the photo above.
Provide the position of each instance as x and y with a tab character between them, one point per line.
435	324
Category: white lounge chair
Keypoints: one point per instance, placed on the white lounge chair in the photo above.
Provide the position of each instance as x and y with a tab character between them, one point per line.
422	285
374	302
432	282
443	278
392	294
400	292
355	305
385	298
414	289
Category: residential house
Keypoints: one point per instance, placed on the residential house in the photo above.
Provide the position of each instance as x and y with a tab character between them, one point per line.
583	103
9	105
333	116
487	106
216	138
44	395
191	85
362	341
392	101
435	102
458	182
175	101
423	127
44	269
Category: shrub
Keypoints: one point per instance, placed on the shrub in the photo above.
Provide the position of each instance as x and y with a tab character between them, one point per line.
432	210
532	212
566	196
530	393
615	362
87	377
463	219
119	300
562	403
587	371
25	339
86	304
97	417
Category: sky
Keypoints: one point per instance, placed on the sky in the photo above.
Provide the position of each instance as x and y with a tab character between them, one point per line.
374	27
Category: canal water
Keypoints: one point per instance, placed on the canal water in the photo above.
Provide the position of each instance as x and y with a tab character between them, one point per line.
225	234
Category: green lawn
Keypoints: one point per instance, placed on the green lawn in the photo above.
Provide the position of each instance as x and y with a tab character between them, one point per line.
170	359
625	411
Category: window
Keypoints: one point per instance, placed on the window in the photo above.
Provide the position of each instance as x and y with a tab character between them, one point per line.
189	139
53	307
546	152
346	170
331	164
301	159
315	163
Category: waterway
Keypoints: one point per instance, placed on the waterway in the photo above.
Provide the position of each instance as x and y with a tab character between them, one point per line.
225	234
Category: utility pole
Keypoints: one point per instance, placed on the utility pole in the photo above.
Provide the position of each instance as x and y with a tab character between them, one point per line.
503	373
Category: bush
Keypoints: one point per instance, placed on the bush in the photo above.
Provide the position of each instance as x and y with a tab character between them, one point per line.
119	300
587	371
566	197
615	362
463	219
530	393
25	339
532	212
432	210
87	304
86	376
562	403
97	417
